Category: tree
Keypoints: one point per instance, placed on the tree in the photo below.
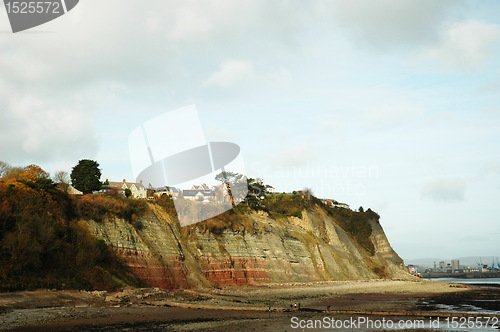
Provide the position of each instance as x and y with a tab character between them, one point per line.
4	169
307	193
361	209
127	192
30	173
257	191
62	179
227	177
258	188
235	184
86	175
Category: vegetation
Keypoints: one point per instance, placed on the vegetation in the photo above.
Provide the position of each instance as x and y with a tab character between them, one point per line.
98	207
236	184
86	176
357	224
229	220
42	244
285	205
45	243
62	179
257	193
166	202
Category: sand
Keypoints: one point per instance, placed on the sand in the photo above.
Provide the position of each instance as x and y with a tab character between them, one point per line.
244	308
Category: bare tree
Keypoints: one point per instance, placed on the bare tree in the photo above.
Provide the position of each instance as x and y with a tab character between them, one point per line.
63	180
4	169
307	193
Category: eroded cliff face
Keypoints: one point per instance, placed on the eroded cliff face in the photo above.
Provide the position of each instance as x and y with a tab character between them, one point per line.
312	248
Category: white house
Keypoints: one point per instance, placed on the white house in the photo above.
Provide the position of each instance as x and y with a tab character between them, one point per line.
137	188
199	193
170	191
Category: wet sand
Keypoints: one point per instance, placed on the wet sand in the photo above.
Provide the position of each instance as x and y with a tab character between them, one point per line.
243	308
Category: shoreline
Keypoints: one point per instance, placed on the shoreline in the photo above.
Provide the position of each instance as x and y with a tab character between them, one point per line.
150	309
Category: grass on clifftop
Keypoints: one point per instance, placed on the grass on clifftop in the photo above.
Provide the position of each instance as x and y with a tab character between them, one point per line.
279	207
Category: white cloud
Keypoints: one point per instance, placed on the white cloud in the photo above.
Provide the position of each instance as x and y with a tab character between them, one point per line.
490	168
34	128
55	86
154	21
445	189
190	21
287	63
466	45
293	156
231	72
388	24
391	113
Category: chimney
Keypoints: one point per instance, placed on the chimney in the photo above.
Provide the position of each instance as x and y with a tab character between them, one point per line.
141	181
124	180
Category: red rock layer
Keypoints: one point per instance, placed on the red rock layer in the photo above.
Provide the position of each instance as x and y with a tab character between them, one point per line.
235	271
152	272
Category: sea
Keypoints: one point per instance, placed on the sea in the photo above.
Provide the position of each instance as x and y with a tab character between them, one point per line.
461	323
495	281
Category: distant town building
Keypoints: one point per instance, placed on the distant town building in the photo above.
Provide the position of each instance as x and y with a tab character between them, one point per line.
455	264
442	265
412	269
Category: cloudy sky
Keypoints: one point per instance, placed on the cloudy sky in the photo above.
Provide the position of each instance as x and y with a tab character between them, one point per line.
392	105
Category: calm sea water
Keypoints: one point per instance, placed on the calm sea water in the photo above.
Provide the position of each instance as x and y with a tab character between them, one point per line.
470	281
485	281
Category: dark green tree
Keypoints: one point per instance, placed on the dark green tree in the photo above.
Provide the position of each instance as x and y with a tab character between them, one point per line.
257	192
127	192
86	175
233	181
227	177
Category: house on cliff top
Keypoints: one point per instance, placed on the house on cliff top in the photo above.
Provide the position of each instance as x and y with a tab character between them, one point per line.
137	188
333	203
199	193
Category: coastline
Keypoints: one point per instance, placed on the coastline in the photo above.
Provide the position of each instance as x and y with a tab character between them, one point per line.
45	310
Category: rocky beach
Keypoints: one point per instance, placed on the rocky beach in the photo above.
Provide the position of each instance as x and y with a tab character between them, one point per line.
265	308
106	263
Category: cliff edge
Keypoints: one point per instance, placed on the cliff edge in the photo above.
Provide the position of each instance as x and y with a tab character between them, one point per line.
252	248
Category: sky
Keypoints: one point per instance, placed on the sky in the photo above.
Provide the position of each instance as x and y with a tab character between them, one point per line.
387	104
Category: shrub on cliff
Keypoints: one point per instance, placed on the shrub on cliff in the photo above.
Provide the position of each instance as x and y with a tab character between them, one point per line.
97	207
41	243
285	205
230	220
356	224
167	203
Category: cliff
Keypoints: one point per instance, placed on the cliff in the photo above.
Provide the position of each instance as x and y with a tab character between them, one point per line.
323	244
51	239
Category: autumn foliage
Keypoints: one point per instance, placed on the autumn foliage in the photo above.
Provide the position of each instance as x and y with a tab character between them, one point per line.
42	244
